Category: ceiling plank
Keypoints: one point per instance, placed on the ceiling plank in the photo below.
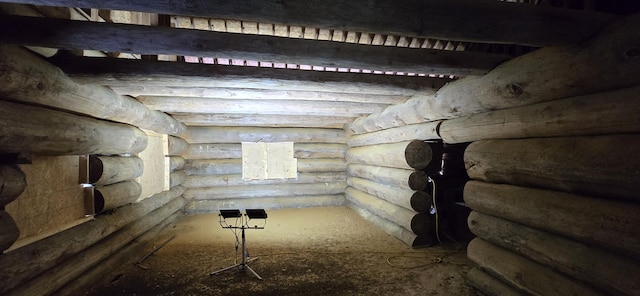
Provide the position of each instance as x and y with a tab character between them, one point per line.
146	40
256	94
461	20
207	119
283	107
121	72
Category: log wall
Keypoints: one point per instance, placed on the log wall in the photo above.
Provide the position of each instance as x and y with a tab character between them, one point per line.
68	120
213	167
562	219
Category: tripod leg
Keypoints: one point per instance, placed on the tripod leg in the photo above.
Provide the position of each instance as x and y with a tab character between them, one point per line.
225	269
252	271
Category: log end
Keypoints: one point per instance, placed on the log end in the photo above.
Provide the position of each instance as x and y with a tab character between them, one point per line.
418	154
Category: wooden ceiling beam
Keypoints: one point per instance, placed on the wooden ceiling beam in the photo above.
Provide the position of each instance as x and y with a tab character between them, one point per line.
208	119
256	94
282	107
147	40
121	72
486	21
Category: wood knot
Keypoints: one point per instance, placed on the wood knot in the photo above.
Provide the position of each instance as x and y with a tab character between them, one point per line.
632	52
515	89
40	86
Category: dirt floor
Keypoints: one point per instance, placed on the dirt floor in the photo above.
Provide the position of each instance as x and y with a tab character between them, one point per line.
312	251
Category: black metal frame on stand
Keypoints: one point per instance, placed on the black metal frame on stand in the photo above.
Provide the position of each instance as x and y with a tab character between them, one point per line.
244	224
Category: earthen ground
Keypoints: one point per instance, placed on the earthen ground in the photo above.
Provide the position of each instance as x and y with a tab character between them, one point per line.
310	251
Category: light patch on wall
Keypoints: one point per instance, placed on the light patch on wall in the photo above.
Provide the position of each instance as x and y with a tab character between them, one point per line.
268	161
156	173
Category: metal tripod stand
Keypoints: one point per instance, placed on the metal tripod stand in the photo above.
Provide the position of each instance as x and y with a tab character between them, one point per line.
244	264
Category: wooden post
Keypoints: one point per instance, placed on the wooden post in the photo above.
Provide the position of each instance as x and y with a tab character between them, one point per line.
607	224
197	135
54	249
13	181
595	114
49	132
115	195
9	231
583	165
402	178
405	155
523	273
176	146
273	190
490	285
105	170
418	201
600	268
31	79
198	181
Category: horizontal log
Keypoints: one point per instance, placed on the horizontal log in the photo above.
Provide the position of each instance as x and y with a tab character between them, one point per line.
25	263
177	178
50	132
256	94
202	119
65	272
234	166
286	202
320	165
136	39
29	78
421	224
116	195
609	272
9	231
13	182
176	163
420	131
116	261
595	114
509	267
519	82
606	224
200	135
401	178
177	105
490	285
105	170
418	201
404	155
254	191
196	181
300	150
176	146
213	166
512	23
565	164
411	239
548	74
117	72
